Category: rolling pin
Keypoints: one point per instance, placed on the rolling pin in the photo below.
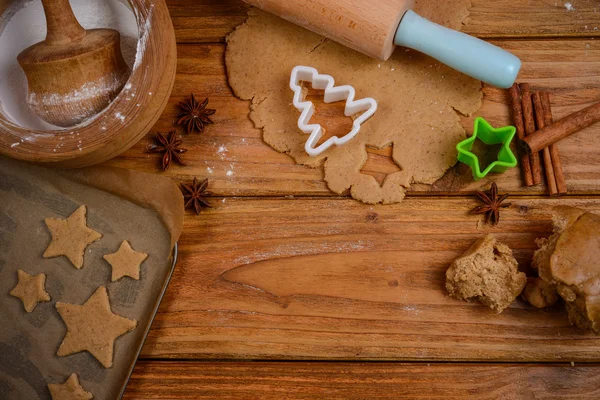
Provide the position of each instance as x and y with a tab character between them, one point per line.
375	27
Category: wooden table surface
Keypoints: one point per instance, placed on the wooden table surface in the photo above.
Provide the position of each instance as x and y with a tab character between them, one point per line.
284	290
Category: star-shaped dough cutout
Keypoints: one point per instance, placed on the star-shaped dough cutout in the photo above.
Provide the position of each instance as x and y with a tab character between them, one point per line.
125	262
92	327
30	289
70	237
71	389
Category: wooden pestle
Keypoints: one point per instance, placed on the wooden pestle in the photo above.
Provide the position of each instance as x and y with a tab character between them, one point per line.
73	74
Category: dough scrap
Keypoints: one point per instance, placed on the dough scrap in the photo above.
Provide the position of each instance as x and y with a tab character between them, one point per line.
125	262
487	272
70	237
539	293
92	327
569	261
418	101
30	289
71	389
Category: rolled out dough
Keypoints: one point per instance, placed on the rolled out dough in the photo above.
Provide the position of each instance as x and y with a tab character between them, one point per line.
418	100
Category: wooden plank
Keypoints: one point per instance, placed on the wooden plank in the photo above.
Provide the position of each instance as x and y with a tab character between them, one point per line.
334	279
206	21
569	69
540	18
303	380
209	21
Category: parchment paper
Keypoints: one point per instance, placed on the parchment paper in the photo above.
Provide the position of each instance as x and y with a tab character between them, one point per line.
145	209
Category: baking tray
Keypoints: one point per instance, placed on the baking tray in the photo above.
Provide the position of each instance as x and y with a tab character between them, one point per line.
162	293
29	341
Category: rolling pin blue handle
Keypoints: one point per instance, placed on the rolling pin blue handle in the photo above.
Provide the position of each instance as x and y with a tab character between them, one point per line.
469	55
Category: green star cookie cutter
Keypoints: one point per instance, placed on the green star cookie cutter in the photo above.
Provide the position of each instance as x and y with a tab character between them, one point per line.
489	136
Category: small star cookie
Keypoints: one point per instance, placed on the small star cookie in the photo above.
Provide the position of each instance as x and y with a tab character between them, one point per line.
92	327
125	262
70	237
30	289
70	390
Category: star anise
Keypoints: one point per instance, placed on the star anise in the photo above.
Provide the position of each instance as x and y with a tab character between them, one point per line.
195	195
195	115
492	203
169	145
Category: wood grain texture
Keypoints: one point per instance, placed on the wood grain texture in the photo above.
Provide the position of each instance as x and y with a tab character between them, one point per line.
568	69
303	380
208	21
329	278
335	279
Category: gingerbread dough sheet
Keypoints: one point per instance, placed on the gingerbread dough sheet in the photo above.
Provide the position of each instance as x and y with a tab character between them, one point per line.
29	341
419	100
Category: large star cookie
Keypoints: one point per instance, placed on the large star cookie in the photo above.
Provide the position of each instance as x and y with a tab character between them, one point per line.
70	237
30	289
92	327
125	262
70	390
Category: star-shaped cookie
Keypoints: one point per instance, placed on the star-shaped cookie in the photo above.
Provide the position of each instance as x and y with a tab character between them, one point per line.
92	327
125	262
30	289
70	390
70	237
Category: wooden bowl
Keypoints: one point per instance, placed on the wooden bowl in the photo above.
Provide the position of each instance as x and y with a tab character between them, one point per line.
126	120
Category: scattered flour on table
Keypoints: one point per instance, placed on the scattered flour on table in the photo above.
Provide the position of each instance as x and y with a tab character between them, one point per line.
23	24
120	116
222	152
230	171
568	5
411	308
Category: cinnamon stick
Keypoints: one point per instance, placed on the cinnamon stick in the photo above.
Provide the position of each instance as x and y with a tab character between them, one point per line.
547	158
562	128
536	165
554	153
515	98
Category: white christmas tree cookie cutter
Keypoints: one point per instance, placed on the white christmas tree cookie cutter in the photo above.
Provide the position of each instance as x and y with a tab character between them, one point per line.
332	94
